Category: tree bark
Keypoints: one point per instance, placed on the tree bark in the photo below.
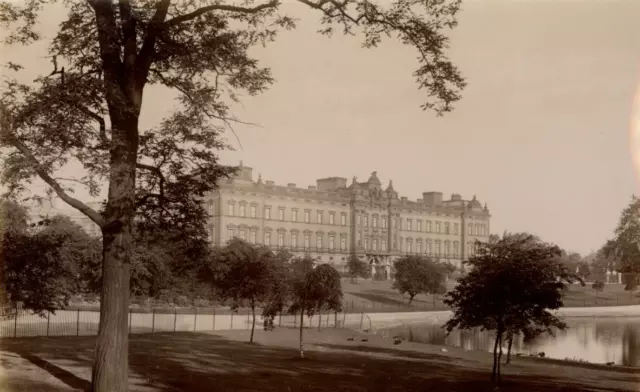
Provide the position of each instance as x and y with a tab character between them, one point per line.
110	367
411	298
500	358
508	361
301	326
253	324
495	357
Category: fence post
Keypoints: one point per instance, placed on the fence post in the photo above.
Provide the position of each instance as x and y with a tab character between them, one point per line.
231	313
78	322
15	324
153	320
280	319
195	319
361	319
130	321
335	319
175	318
48	317
214	319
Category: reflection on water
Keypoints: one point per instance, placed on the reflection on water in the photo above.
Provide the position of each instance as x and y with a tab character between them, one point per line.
596	340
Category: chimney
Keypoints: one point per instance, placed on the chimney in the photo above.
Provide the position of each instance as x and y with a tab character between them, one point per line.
432	198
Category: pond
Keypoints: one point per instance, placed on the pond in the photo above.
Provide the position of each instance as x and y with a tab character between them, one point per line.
595	340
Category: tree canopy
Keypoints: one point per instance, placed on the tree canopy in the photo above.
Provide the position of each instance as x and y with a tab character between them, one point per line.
511	287
419	274
357	268
623	249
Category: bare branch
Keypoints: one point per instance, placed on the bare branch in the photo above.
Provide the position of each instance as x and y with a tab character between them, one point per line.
221	7
104	139
145	57
7	134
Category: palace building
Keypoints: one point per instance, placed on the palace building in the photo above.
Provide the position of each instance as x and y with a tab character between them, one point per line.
333	220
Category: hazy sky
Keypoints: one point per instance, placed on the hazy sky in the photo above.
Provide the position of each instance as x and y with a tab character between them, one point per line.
541	135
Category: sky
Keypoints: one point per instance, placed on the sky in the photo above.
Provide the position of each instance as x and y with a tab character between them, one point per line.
542	134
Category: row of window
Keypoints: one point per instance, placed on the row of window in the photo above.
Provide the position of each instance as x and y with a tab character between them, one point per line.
477	229
451	248
294	239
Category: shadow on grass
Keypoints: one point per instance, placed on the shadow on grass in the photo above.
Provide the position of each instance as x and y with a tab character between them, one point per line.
203	362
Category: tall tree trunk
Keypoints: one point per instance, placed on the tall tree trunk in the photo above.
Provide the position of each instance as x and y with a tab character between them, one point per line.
495	357
411	298
110	367
508	361
500	358
301	326
253	324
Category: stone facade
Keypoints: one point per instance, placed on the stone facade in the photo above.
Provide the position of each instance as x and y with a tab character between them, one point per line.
333	220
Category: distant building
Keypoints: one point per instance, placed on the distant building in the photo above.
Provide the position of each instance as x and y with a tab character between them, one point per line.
333	220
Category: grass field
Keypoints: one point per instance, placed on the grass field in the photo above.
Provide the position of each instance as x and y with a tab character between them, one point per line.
225	362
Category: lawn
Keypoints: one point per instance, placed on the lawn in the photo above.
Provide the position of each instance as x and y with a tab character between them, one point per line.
225	362
370	296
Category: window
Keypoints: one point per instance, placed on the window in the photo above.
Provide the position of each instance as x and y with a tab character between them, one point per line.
344	219
281	239
343	243
394	223
446	228
294	240
332	242
374	221
319	217
267	213
408	246
374	245
470	229
428	247
482	230
477	229
419	246
211	208
281	213
253	211
231	210
456	228
319	241
243	210
384	245
469	249
253	237
294	215
358	220
332	218
307	216
360	239
438	227
409	224
419	222
428	226
447	249
438	250
231	233
366	221
366	243
456	246
307	240
267	238
243	235
384	222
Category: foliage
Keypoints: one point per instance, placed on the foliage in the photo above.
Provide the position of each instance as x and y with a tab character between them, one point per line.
357	268
42	261
598	285
512	285
419	274
247	275
624	248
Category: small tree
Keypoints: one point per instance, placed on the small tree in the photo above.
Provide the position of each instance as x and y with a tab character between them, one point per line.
246	275
512	285
357	268
597	286
419	274
316	290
